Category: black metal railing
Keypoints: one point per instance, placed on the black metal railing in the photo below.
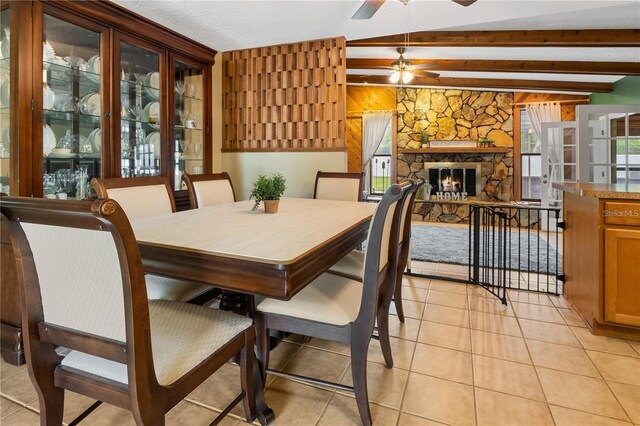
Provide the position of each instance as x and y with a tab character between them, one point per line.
533	246
488	247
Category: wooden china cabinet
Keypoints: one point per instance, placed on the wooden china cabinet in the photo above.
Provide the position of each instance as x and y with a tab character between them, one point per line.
90	89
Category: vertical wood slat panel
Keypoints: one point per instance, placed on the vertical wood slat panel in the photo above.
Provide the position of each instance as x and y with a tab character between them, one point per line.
287	97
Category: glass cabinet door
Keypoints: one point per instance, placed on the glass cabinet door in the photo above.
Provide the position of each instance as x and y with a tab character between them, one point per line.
140	111
5	136
189	121
72	109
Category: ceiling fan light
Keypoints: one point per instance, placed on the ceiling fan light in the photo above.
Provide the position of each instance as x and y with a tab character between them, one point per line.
407	76
395	77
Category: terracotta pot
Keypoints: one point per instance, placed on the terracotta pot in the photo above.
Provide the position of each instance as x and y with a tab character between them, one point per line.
271	206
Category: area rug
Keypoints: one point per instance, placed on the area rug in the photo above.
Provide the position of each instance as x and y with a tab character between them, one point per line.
450	244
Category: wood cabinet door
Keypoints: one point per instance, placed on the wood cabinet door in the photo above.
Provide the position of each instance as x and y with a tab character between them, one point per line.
139	73
622	276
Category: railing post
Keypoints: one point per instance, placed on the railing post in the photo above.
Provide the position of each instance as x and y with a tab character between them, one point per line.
476	243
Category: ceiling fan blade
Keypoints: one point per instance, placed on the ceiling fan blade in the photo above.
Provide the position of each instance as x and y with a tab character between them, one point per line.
428	74
368	9
464	3
423	65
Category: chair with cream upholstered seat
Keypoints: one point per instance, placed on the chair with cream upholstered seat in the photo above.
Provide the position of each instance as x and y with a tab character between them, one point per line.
352	265
145	197
337	308
209	190
83	288
339	186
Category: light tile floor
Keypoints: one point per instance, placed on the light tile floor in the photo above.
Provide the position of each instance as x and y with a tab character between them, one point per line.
460	358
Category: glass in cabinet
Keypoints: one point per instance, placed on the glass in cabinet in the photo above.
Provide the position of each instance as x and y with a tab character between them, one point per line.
72	109
5	136
140	111
189	123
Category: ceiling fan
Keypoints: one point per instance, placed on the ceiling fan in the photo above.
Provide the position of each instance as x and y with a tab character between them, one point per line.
370	7
404	70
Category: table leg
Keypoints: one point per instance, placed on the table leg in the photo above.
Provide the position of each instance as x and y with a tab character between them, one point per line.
234	302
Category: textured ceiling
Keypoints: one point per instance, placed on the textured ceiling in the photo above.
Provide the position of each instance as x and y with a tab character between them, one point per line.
238	24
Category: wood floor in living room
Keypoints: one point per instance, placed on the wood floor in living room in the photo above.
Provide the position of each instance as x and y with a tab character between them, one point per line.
460	358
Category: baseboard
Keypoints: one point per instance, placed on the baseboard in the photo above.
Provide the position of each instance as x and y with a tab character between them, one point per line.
618	331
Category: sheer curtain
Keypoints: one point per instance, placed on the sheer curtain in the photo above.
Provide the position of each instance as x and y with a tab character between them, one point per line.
544	113
374	125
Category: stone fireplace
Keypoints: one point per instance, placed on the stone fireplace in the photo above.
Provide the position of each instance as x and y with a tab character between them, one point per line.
428	115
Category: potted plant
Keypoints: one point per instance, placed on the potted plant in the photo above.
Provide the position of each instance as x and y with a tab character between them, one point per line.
268	189
485	142
424	139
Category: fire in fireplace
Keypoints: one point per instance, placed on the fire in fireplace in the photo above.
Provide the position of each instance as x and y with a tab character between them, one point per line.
454	181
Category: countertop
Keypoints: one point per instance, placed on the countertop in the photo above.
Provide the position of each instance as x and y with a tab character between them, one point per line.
601	190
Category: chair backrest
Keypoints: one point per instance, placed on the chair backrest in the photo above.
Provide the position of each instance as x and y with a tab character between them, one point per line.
140	197
80	276
209	190
407	212
339	186
381	255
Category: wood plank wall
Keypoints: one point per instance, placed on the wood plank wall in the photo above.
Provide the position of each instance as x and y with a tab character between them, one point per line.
360	99
289	97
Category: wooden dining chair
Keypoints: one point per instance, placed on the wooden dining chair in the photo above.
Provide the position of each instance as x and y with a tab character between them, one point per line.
142	198
339	186
352	266
209	190
82	287
337	308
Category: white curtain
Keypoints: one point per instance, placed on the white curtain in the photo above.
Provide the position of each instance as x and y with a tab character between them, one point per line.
374	124
544	113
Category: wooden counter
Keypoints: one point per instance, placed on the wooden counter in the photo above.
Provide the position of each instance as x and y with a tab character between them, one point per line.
601	190
601	255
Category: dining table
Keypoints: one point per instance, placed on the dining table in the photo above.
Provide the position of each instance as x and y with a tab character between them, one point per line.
249	252
232	247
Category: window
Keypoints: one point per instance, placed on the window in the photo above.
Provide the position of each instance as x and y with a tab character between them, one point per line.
531	159
613	145
628	160
380	165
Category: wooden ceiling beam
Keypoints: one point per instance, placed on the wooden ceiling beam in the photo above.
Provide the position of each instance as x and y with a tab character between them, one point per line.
490	65
520	85
519	38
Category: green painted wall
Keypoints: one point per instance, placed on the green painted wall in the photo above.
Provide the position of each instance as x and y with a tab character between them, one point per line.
625	92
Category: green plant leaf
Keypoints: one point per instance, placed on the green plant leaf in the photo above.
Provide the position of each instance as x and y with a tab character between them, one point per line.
268	188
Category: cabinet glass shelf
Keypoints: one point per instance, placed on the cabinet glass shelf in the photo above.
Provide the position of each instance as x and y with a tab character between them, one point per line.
180	128
189	98
154	126
127	86
62	77
91	157
68	116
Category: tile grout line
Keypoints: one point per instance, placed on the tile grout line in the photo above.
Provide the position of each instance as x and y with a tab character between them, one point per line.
415	347
535	370
566	372
473	372
577	374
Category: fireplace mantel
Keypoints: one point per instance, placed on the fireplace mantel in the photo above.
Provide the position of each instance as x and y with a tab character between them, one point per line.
455	150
